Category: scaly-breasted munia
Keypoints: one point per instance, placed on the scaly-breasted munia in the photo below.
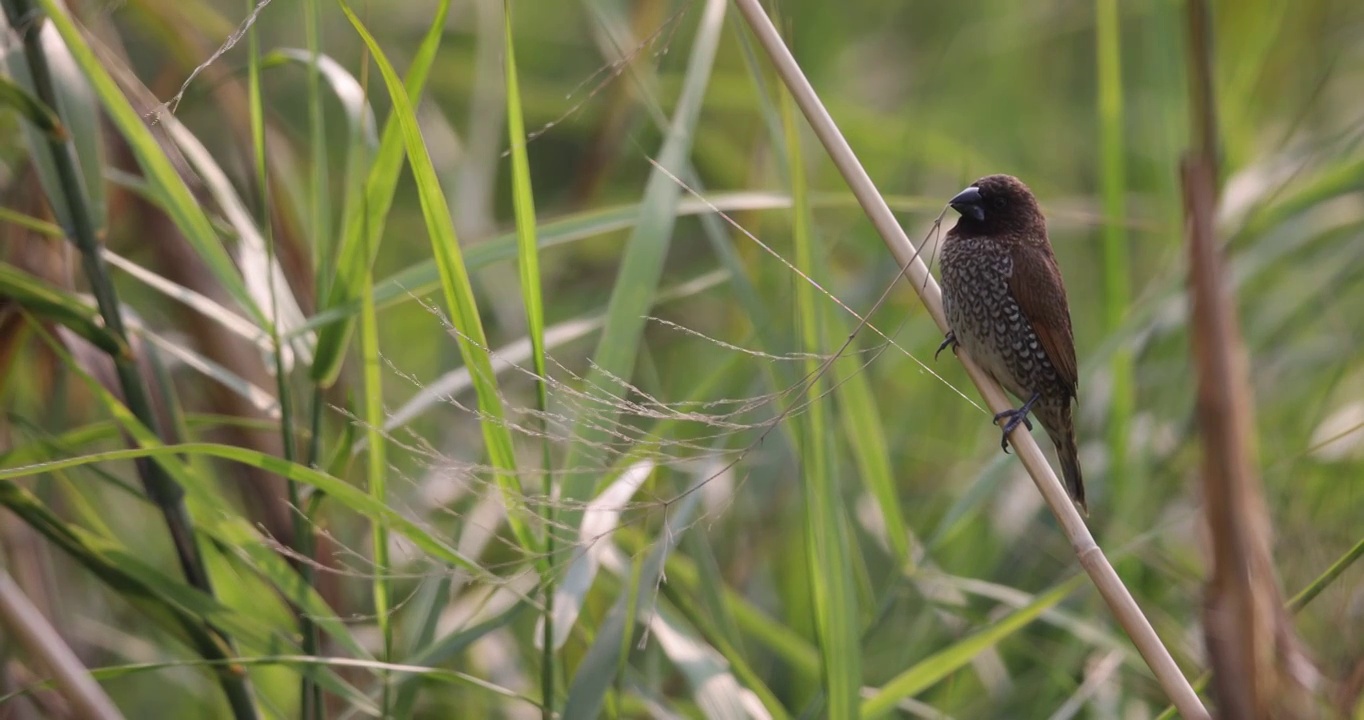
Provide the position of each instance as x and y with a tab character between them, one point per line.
1006	304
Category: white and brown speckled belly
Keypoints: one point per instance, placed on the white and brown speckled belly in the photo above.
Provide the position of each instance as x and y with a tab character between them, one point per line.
986	319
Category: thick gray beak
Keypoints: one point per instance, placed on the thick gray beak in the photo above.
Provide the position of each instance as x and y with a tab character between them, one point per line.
967	202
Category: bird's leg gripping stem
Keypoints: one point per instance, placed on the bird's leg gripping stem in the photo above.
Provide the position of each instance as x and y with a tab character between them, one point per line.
1015	417
949	341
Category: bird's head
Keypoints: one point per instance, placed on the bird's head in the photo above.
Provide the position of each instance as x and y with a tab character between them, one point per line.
997	204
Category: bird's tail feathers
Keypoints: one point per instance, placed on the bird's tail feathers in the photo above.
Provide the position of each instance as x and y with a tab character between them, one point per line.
1068	453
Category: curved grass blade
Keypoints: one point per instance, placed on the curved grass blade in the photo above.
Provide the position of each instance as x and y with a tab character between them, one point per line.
338	490
601	664
31	109
76	102
175	197
513	354
459	295
171	603
265	278
600	519
212	310
347	90
364	218
423	277
642	263
48	302
718	694
259	398
930	670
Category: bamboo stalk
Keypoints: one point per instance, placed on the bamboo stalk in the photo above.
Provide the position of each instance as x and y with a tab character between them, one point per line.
1091	558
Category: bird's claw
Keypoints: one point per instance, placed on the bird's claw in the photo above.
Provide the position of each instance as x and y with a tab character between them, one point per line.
950	340
1014	417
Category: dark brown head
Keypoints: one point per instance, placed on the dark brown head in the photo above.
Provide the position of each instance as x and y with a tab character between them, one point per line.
998	205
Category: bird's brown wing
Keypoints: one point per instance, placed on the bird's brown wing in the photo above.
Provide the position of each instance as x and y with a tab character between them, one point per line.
1036	285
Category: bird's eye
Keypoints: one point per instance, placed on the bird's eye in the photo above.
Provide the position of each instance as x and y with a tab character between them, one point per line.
997	202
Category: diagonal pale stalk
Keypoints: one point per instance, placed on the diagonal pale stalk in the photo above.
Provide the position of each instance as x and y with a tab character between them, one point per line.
30	629
528	263
1091	558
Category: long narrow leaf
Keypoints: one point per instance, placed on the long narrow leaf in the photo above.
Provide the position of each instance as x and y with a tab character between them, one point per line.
459	295
175	196
826	535
642	264
939	665
366	217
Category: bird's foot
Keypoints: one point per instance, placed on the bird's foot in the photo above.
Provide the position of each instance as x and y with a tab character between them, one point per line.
950	340
1014	418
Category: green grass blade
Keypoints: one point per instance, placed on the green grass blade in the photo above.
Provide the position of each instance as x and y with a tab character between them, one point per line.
642	263
205	493
176	198
364	218
48	302
861	419
31	109
76	102
716	690
336	489
528	262
28	222
378	471
210	309
724	643
265	279
421	278
170	603
1116	258
831	581
319	208
361	129
459	295
939	665
601	665
600	519
523	202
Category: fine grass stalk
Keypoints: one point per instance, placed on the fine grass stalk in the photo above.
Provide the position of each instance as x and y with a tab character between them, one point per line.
528	262
1116	290
830	576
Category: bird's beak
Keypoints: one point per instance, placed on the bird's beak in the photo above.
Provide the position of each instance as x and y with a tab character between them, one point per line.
967	202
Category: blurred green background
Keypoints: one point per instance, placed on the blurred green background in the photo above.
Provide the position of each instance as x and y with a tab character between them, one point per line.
877	500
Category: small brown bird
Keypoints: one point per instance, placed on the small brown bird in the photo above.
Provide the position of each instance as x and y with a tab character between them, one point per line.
1006	305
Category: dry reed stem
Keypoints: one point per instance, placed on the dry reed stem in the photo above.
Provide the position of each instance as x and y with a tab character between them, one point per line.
1091	558
1258	669
34	633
